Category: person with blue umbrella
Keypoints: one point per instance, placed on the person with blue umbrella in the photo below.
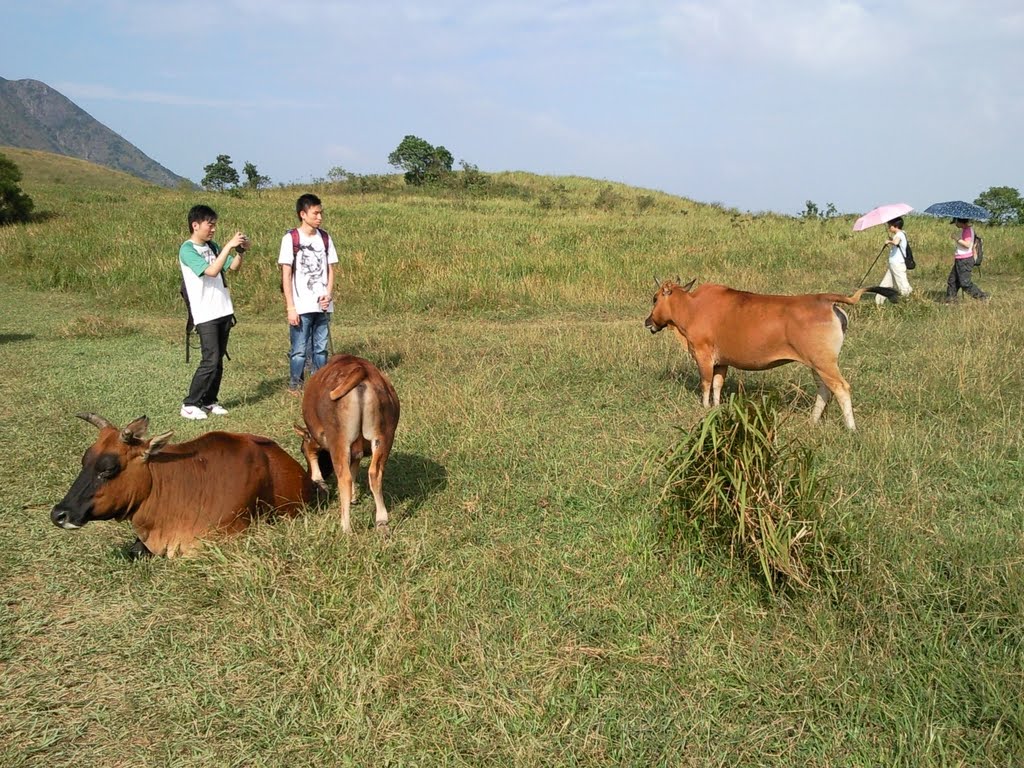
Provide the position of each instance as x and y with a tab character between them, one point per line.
963	263
962	214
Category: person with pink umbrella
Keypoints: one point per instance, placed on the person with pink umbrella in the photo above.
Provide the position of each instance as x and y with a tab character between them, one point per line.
896	272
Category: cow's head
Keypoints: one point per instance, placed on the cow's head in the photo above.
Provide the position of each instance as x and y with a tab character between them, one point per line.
114	479
661	313
317	459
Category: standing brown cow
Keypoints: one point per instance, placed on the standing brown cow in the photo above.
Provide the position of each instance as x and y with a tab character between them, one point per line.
723	327
351	410
174	494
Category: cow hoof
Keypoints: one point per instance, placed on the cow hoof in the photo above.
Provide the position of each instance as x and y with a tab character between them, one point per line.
382	529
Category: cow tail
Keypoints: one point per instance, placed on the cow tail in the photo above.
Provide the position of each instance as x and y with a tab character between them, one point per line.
348	384
890	293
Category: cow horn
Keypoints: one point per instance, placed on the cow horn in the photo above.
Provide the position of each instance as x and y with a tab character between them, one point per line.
676	281
97	421
657	282
135	430
689	285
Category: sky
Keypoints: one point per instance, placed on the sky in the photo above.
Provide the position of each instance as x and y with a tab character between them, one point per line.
759	105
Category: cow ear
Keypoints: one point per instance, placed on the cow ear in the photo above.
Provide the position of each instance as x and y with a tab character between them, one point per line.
689	285
97	421
156	445
135	431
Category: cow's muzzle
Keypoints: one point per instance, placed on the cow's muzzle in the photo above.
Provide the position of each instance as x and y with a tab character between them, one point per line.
61	517
652	326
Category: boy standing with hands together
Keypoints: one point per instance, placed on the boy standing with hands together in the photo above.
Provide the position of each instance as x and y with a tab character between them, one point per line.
307	260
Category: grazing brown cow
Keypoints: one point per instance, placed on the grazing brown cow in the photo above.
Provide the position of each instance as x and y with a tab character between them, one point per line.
723	327
176	494
351	410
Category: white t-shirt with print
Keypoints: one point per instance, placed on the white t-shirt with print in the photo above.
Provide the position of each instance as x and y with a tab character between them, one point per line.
309	275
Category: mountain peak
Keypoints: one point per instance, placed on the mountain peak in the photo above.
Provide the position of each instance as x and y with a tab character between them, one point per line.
35	116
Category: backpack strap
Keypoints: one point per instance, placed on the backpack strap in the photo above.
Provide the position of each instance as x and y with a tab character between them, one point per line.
189	323
295	241
295	245
216	252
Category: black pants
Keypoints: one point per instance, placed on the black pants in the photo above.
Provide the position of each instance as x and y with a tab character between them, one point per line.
213	341
960	278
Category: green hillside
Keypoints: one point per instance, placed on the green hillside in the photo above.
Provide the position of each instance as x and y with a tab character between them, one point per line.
523	610
44	169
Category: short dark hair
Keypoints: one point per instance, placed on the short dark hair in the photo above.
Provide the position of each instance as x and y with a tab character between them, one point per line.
305	202
200	213
897	222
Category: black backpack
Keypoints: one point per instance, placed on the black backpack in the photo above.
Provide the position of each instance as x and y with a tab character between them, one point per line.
908	257
979	250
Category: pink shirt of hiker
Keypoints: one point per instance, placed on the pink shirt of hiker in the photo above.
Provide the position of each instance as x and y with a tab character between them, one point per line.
965	251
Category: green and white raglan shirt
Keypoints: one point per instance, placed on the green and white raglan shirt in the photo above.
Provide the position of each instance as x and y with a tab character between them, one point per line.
207	296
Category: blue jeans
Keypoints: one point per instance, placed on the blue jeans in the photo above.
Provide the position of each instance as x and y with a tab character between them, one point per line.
311	330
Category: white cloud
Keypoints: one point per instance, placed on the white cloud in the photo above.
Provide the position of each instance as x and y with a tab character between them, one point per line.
833	37
91	91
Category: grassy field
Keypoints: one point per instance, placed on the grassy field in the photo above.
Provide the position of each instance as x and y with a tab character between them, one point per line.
521	612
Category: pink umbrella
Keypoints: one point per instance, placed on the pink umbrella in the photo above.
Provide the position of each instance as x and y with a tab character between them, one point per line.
880	215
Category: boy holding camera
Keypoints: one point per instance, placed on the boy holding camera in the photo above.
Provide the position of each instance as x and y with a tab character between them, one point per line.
202	265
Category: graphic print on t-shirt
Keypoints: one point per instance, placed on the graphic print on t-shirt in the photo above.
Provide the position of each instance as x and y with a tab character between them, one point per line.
312	265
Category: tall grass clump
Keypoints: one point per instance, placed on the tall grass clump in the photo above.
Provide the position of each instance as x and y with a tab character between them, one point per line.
731	483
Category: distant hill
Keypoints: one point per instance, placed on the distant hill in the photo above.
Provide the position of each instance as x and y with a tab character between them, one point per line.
45	168
35	116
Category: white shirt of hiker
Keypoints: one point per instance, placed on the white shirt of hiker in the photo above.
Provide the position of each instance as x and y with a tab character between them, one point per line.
309	275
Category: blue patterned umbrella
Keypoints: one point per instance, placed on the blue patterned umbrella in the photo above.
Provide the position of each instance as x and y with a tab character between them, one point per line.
958	209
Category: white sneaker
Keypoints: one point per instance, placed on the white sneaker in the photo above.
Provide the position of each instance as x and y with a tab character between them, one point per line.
192	412
216	409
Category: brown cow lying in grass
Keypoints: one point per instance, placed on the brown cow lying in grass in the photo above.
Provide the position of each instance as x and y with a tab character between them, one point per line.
351	411
723	327
176	494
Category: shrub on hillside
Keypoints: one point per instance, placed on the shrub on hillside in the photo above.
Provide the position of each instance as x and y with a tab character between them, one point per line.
731	484
608	199
15	205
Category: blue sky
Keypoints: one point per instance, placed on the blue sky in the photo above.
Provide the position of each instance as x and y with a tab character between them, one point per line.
755	104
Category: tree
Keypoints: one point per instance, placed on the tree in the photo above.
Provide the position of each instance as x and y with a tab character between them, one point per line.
420	160
1004	203
338	175
253	179
15	205
812	212
220	174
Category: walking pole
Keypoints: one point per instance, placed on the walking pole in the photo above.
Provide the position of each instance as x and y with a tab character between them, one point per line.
330	341
872	266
